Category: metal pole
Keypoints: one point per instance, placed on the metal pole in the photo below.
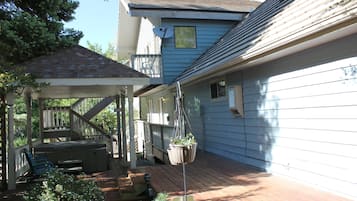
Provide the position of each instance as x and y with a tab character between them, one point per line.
184	182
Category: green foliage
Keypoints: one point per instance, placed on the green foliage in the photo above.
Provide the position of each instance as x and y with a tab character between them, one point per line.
188	140
161	197
109	52
30	28
107	118
63	187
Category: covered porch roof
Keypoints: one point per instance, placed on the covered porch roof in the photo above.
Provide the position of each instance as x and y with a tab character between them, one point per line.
78	72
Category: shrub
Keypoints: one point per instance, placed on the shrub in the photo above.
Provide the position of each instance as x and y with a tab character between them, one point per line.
58	186
161	197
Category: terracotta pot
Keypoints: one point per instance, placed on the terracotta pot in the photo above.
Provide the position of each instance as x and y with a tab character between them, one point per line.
179	154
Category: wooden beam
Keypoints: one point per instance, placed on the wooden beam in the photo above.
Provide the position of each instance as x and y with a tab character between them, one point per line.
131	127
28	102
11	149
117	101
123	126
41	106
3	142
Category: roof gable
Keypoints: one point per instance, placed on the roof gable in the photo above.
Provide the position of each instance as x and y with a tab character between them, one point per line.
78	62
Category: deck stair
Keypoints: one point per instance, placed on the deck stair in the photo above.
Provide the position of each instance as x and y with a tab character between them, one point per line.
99	107
90	107
70	123
133	187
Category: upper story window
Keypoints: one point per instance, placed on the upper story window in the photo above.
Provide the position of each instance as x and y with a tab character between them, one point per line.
218	89
185	37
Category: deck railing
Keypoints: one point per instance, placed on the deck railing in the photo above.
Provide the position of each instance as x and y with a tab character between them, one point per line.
148	64
157	138
21	164
56	118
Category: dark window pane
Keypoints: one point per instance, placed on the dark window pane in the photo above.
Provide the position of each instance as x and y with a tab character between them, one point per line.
214	90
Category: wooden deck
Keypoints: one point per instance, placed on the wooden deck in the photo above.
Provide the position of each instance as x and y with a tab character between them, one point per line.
217	179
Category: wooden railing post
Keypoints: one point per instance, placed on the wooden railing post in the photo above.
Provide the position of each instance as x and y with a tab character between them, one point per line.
162	142
41	106
70	114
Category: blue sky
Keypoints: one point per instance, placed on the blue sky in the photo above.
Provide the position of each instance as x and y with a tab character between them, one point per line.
98	20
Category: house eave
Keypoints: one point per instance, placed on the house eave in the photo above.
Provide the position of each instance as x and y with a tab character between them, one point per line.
128	29
187	14
94	81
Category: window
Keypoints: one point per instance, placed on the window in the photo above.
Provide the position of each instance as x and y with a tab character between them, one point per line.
218	89
185	37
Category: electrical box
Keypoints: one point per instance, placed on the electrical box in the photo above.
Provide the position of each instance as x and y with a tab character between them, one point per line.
235	99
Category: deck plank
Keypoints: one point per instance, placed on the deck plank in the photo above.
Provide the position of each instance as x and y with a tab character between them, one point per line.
215	178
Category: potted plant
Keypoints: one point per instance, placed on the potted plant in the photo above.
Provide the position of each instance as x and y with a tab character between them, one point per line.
182	149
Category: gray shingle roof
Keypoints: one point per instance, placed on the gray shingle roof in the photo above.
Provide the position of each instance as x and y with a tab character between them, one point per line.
78	62
206	5
272	25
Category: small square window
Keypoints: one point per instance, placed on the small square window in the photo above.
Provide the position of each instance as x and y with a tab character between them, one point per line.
218	89
185	37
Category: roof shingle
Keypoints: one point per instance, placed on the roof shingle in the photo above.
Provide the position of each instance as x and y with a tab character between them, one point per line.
273	24
78	62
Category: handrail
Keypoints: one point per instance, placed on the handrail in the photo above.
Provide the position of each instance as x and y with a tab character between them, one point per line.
100	130
82	106
101	136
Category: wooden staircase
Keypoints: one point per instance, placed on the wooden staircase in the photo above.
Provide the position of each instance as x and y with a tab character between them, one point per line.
98	107
73	122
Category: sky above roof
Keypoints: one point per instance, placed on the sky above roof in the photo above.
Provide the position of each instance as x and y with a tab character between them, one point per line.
98	20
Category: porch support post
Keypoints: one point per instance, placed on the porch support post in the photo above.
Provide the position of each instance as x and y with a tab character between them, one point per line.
131	128
28	101
118	126
41	106
11	150
123	128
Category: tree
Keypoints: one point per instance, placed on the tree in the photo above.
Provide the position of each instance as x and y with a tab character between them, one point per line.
30	29
109	52
33	28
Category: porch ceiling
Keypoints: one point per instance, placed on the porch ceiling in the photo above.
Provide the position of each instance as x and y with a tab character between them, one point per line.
79	72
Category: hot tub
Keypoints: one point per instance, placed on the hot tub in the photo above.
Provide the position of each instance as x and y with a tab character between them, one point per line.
93	154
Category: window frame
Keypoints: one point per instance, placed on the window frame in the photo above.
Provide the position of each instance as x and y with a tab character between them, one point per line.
218	95
195	37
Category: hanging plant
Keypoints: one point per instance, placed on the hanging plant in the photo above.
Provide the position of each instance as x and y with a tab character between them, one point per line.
182	150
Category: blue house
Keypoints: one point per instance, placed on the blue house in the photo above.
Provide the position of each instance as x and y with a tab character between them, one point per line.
274	89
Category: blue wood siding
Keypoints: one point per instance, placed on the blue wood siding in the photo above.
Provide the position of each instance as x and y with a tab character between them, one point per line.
300	117
175	60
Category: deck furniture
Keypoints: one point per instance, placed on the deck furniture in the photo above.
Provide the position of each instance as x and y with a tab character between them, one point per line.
38	164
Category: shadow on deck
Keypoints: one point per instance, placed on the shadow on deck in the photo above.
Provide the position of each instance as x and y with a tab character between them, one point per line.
212	177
